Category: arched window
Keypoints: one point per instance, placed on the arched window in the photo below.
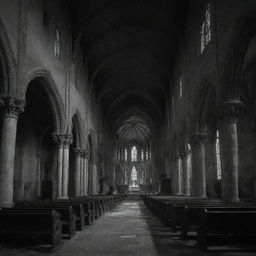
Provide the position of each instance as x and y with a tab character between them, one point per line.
125	155
134	154
180	87
134	176
146	155
57	44
142	155
206	33
218	161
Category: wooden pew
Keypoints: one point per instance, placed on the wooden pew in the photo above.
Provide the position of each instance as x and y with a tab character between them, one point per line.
225	225
16	224
81	216
68	217
176	210
191	215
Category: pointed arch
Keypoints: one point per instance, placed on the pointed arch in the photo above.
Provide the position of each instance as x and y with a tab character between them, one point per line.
232	66
57	106
8	74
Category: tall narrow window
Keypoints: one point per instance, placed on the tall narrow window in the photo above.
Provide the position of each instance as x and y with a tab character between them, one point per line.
125	155
206	33
142	155
218	161
134	177
57	44
181	87
146	155
134	153
202	37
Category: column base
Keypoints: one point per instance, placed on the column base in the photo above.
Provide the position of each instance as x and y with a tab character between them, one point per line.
178	194
203	197
232	201
6	205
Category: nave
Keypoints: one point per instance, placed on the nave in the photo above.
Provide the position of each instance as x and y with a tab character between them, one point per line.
129	229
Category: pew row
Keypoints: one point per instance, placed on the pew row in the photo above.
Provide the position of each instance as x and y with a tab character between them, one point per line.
218	226
46	224
67	216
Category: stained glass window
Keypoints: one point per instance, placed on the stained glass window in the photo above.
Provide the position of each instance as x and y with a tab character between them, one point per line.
218	161
142	155
134	154
57	44
134	176
206	33
125	155
181	87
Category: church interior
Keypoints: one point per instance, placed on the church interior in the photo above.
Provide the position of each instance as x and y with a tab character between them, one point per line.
127	127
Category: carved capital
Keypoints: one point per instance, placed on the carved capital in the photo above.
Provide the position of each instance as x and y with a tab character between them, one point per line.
230	110
63	139
13	107
198	139
78	151
86	154
185	151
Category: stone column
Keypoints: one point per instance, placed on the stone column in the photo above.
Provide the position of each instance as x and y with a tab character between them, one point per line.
95	178
77	170
63	141
178	177
85	175
186	170
81	172
198	158
12	108
229	112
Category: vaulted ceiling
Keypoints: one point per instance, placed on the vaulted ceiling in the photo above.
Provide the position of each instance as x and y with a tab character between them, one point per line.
129	48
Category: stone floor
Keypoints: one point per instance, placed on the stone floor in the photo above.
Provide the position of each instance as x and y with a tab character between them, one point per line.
130	229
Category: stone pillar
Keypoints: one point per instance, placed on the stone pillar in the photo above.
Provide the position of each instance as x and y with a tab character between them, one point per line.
63	141
85	172
77	170
178	176
198	157
12	108
81	172
94	179
186	170
229	149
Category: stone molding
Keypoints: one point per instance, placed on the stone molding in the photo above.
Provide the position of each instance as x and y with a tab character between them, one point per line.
63	139
229	111
13	107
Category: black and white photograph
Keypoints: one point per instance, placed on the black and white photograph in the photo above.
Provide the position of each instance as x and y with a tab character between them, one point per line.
127	127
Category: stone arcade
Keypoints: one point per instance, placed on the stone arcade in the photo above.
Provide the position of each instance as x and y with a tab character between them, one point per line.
139	111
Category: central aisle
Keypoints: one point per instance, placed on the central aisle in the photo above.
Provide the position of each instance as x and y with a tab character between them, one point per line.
130	229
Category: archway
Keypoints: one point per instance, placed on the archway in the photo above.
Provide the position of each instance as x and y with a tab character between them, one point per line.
35	159
76	144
